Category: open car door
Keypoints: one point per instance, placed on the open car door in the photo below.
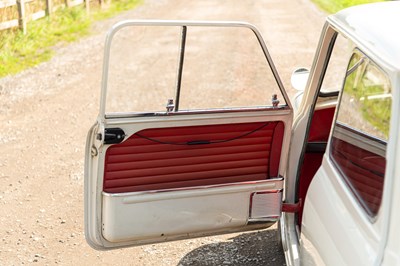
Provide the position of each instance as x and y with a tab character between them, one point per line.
192	135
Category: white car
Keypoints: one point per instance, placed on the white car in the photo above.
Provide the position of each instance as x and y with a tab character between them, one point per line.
191	143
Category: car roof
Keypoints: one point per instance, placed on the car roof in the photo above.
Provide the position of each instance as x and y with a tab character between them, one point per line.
375	29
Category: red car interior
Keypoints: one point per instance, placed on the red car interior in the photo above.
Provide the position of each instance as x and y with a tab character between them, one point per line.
321	124
363	170
179	157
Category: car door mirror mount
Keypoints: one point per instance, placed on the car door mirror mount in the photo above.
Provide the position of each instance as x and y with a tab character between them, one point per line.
299	78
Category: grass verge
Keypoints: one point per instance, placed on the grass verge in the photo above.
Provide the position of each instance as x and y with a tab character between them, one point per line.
333	6
18	51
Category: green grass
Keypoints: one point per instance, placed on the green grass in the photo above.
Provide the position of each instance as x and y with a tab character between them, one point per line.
115	8
18	51
333	6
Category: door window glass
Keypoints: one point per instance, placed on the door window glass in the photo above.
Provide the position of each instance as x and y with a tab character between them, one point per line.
213	67
358	145
225	68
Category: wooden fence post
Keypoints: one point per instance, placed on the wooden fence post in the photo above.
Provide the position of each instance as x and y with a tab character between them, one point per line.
21	15
49	7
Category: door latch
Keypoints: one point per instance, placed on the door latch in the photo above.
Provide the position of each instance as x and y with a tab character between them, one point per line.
113	135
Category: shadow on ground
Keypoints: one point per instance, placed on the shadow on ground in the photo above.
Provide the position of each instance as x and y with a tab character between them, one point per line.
256	248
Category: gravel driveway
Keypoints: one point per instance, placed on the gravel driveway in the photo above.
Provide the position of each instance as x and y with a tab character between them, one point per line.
45	113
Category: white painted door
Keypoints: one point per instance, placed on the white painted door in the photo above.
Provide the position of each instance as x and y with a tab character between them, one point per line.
190	143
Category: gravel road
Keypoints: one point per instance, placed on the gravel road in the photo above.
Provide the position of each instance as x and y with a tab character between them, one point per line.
45	113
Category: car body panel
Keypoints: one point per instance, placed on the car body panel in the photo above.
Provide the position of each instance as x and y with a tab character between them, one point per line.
335	226
336	223
374	36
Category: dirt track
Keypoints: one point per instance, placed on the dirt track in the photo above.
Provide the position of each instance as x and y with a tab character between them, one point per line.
46	111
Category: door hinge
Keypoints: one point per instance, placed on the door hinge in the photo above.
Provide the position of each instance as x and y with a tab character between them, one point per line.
292	207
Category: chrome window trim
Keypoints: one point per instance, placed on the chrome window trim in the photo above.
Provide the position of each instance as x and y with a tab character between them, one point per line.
194	112
275	182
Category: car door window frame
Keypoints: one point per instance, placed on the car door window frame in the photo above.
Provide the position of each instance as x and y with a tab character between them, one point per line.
184	24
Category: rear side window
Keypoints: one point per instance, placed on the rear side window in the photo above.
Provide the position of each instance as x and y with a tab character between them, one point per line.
358	144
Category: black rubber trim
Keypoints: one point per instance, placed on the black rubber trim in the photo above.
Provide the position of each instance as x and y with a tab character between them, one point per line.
316	147
328	94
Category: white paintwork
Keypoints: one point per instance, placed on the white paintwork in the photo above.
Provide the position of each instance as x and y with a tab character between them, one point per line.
288	228
299	78
303	114
373	27
161	216
391	253
334	225
335	229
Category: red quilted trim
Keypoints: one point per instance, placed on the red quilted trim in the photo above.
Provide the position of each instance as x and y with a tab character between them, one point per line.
139	164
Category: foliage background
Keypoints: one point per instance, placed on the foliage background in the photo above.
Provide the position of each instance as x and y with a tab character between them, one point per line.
19	51
333	6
